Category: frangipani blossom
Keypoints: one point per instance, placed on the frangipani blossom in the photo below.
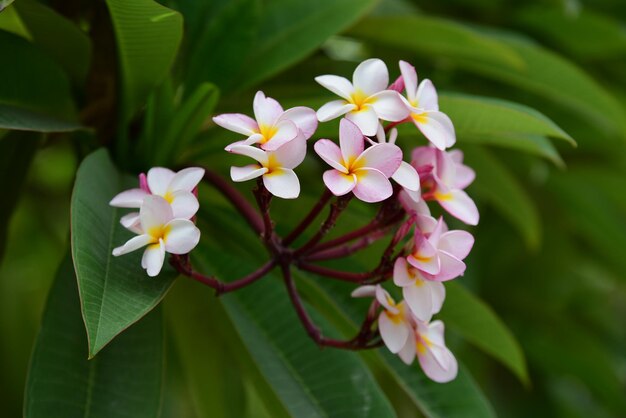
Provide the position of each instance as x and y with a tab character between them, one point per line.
365	100
175	188
161	233
439	255
424	297
418	209
363	171
276	167
445	175
406	176
423	104
426	340
273	127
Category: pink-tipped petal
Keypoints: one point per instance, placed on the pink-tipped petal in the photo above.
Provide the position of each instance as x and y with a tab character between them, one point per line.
237	122
397	85
334	109
155	213
385	158
451	268
132	222
252	152
407	353
425	256
457	243
407	177
184	204
182	236
365	118
427	96
401	274
389	106
159	179
371	76
133	244
341	86
153	258
291	154
286	131
186	179
251	140
266	109
458	204
384	298
367	291
132	198
283	183
433	368
419	298
248	172
339	183
330	153
351	140
304	118
409	75
423	157
438	292
372	185
437	128
394	332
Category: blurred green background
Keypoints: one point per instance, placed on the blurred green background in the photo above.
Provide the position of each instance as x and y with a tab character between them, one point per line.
521	81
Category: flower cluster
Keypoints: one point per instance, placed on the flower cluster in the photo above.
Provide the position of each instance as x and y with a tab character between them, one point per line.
167	203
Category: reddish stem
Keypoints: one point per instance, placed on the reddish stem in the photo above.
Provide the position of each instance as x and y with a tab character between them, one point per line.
335	210
345	276
346	250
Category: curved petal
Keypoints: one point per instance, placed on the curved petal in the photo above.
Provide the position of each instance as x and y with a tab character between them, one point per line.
186	179
424	257
437	128
365	118
351	141
252	152
247	172
286	130
389	106
181	236
424	157
457	243
371	76
401	274
367	291
394	332
385	158
291	154
283	183
266	109
435	332
458	204
341	86
304	118
132	222
339	183
372	185
132	198
407	353
330	153
334	109
438	292
409	75
155	213
252	139
427	96
434	370
419	298
386	301
237	122
451	268
159	179
184	204
407	177
133	244
153	258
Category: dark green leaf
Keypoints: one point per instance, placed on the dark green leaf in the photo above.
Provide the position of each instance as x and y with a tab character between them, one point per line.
115	292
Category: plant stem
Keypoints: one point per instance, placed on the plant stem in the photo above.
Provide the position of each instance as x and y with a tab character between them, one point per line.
302	226
346	250
335	210
345	276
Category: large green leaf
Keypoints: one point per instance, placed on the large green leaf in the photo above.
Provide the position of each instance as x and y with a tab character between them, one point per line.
114	292
148	36
124	380
478	324
34	92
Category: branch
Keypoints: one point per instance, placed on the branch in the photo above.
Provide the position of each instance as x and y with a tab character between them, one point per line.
302	226
346	250
345	276
335	210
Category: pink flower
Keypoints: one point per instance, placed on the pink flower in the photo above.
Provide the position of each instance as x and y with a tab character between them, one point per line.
439	256
273	127
424	297
365	100
419	209
423	105
406	176
363	171
445	175
276	167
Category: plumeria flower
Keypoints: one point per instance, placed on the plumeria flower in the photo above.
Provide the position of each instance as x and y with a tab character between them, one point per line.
426	340
423	105
424	297
365	100
393	321
363	171
161	233
445	175
406	176
276	167
419	210
273	126
176	188
439	256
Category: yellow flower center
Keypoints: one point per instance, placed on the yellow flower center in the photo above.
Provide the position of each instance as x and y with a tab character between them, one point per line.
268	132
360	100
158	232
419	117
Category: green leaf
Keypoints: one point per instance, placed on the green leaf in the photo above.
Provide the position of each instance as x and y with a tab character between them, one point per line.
115	292
124	380
292	29
477	323
148	36
496	185
59	37
34	92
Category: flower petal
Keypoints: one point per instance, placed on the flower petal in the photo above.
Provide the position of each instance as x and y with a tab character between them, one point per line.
384	298
252	152
153	258
464	175
283	183
389	106
132	222
155	213
409	75
451	268
266	109
371	76
438	292
186	179
291	154
364	291
457	243
425	256
372	185
236	122
252	139
407	177
351	141
339	183
133	244
427	96
393	331
437	128
304	118
247	172
385	158
401	274
330	153
159	179
334	109
365	118
181	237
458	204
129	199
433	368
184	204
419	298
407	353
341	86
286	130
